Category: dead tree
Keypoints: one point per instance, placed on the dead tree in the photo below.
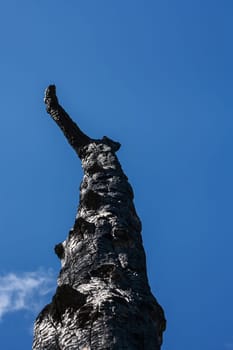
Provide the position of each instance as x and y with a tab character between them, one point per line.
103	300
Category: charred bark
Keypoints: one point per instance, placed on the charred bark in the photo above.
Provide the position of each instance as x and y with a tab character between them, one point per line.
103	300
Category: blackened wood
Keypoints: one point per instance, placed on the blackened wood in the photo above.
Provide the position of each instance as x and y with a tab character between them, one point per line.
103	300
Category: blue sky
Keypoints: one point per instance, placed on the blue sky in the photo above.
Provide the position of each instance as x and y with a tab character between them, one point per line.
156	76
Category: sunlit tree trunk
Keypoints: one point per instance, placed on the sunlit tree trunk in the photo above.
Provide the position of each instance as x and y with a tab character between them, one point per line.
103	299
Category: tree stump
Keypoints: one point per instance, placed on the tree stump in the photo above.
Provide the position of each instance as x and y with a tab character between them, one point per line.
103	300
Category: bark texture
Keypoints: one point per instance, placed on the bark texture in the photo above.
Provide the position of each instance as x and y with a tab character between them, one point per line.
103	300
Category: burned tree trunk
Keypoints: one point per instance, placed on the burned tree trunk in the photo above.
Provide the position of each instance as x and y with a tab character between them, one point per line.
103	299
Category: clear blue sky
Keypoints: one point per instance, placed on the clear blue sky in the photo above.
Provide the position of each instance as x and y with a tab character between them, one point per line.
156	76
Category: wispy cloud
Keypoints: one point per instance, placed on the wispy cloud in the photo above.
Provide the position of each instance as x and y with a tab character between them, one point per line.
25	291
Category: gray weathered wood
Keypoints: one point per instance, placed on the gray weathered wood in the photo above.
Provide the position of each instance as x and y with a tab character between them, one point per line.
103	300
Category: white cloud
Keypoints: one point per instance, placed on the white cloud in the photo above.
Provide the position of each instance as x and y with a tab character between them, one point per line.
25	291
